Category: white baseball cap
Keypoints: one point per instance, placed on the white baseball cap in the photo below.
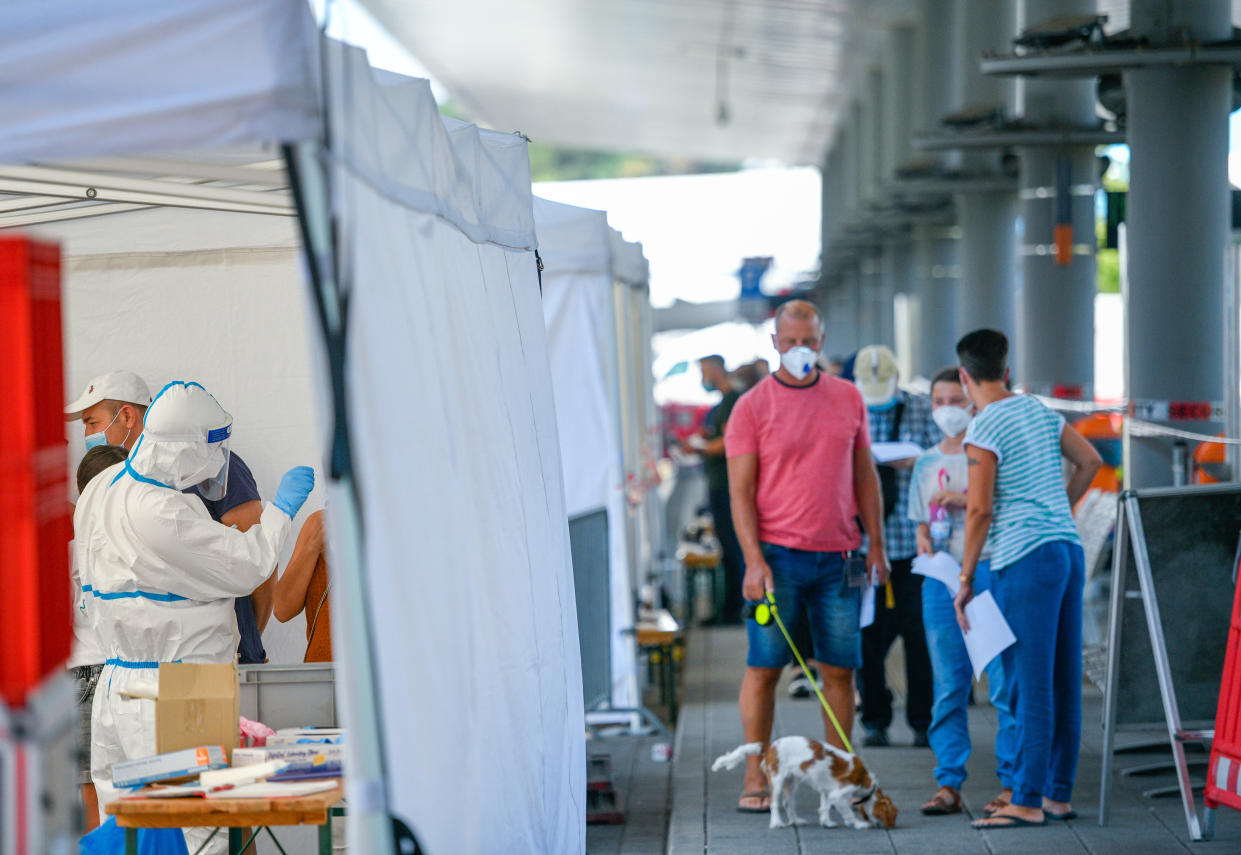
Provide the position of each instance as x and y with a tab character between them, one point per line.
124	386
875	373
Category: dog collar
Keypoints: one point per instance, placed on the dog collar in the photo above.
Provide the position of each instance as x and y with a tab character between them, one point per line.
873	786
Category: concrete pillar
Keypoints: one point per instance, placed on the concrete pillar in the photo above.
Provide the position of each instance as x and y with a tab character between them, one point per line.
935	267
884	294
935	259
900	63
841	337
1178	222
832	211
877	142
851	181
987	219
988	261
898	280
867	286
1056	182
864	150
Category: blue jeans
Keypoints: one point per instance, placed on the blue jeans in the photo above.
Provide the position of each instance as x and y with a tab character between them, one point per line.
810	584
949	733
1040	595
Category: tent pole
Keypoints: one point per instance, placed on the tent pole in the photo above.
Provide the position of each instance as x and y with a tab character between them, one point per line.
372	828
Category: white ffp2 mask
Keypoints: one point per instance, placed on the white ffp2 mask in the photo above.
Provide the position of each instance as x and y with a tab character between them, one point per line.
951	420
799	361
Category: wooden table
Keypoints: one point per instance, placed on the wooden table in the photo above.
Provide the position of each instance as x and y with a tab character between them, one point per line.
234	814
703	561
660	635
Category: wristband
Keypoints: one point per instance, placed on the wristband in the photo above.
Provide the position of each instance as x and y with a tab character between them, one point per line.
963	578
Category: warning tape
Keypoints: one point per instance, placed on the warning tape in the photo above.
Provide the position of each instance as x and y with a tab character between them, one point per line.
1138	411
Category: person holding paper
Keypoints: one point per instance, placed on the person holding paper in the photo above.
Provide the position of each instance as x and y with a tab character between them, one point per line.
800	475
1017	497
937	505
902	423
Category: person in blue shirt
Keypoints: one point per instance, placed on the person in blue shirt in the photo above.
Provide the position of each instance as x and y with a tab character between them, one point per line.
1019	506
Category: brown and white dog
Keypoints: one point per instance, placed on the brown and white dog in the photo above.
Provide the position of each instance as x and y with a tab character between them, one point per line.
840	778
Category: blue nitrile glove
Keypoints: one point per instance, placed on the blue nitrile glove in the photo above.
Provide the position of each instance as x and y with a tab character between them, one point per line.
295	486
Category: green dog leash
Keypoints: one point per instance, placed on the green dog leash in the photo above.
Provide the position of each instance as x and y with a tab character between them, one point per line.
763	613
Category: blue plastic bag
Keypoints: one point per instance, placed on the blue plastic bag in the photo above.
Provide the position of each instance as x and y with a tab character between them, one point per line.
108	839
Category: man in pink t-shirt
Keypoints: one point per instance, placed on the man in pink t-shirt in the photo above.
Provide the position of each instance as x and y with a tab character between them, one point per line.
800	474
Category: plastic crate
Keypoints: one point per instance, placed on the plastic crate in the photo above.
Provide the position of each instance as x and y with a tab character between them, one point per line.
279	696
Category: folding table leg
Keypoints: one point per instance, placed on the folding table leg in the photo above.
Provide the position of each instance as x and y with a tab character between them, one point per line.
131	841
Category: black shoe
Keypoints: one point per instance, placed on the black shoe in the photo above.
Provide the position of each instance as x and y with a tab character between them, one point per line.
876	737
921	740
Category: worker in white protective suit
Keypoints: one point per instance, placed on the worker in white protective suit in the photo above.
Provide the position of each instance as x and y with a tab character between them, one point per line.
162	572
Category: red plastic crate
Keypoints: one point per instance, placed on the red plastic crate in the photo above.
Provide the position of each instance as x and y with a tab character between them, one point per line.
36	617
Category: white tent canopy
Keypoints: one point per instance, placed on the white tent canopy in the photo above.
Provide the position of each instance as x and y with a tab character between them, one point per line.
465	647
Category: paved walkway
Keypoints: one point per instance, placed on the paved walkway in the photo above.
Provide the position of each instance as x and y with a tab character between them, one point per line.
704	820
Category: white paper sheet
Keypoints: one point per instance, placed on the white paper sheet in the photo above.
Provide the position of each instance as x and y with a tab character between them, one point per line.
989	633
867	615
886	452
941	567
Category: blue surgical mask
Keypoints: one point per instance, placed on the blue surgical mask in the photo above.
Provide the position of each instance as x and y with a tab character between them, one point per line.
94	440
881	408
708	385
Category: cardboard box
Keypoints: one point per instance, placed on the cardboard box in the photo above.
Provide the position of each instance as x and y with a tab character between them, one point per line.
197	705
301	758
171	766
307	736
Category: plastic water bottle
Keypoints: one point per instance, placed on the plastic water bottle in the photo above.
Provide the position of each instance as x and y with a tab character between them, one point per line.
941	528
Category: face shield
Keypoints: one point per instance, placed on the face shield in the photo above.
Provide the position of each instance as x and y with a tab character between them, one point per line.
212	488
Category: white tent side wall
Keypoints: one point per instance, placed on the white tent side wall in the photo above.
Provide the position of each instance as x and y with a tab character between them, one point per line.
470	582
641	433
581	334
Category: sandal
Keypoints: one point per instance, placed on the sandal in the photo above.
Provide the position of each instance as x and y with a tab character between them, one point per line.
1004	820
755	794
994	806
946	801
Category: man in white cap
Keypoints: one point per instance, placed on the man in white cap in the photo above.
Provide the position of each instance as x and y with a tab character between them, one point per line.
113	410
895	416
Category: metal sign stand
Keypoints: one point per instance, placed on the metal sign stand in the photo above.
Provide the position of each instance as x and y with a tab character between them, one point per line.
1130	535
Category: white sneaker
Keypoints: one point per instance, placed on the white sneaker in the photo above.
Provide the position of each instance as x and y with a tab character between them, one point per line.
801	686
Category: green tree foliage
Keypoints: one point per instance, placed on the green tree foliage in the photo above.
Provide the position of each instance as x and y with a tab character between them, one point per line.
556	163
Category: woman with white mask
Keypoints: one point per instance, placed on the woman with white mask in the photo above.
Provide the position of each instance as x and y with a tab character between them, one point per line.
937	504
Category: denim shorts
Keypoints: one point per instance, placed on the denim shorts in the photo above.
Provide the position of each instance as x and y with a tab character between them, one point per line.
87	677
809	585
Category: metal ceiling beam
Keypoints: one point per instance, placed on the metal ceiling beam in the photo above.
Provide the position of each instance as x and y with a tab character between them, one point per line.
61	214
260	173
1093	63
166	195
79	185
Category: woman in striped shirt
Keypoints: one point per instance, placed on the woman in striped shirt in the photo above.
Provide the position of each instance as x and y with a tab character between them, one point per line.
1019	506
